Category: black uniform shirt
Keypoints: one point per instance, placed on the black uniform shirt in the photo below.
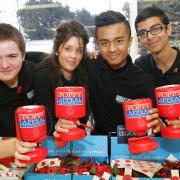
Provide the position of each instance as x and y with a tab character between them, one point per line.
44	94
172	76
108	88
11	98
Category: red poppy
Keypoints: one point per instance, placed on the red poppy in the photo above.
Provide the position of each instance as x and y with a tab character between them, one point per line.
19	89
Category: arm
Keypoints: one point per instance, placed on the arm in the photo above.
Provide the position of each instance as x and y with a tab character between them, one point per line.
7	147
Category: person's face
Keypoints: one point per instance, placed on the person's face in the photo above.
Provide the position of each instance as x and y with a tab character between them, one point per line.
114	41
70	55
11	59
156	41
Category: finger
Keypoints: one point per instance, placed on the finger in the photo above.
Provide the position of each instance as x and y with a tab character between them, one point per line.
78	122
155	122
157	129
65	121
23	150
61	128
152	116
19	156
26	144
56	134
175	124
18	164
24	147
153	110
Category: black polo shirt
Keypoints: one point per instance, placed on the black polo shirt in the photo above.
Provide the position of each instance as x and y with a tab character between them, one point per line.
172	76
11	98
44	92
109	88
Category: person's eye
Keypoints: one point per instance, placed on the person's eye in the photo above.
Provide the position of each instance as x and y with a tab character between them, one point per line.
68	49
12	56
156	29
119	41
142	33
79	51
104	43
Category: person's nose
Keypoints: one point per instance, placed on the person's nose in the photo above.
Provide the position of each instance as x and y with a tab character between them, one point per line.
4	63
74	54
112	47
149	35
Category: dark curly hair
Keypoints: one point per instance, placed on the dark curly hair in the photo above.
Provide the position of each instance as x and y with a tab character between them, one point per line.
63	33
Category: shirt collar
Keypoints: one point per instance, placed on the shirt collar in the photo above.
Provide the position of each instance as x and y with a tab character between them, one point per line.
123	72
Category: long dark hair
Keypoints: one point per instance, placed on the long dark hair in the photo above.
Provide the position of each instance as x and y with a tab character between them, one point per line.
63	33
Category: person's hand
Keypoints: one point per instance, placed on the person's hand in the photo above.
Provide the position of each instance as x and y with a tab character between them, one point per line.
64	125
154	121
174	123
21	149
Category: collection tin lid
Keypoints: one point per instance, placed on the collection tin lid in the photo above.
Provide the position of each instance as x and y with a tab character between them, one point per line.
141	145
167	87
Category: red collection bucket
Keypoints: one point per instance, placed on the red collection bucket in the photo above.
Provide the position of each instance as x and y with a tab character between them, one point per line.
31	127
31	123
70	104
135	112
168	104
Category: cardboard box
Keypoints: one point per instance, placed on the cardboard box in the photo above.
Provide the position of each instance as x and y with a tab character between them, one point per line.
30	175
165	148
90	146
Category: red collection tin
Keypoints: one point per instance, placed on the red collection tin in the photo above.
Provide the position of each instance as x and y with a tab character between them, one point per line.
168	104
135	112
31	127
70	104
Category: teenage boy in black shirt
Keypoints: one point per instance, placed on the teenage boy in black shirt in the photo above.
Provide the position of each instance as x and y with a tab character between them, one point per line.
15	84
163	62
113	78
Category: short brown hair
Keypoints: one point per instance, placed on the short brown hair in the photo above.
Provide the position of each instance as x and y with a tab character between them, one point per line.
9	32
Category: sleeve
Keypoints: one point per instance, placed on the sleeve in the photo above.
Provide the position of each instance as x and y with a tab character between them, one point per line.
44	95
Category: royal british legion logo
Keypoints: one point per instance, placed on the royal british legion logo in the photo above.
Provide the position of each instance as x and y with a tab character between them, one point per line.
32	120
171	97
70	98
138	110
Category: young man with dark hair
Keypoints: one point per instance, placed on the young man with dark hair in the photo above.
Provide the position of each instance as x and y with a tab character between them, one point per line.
163	62
16	89
113	78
